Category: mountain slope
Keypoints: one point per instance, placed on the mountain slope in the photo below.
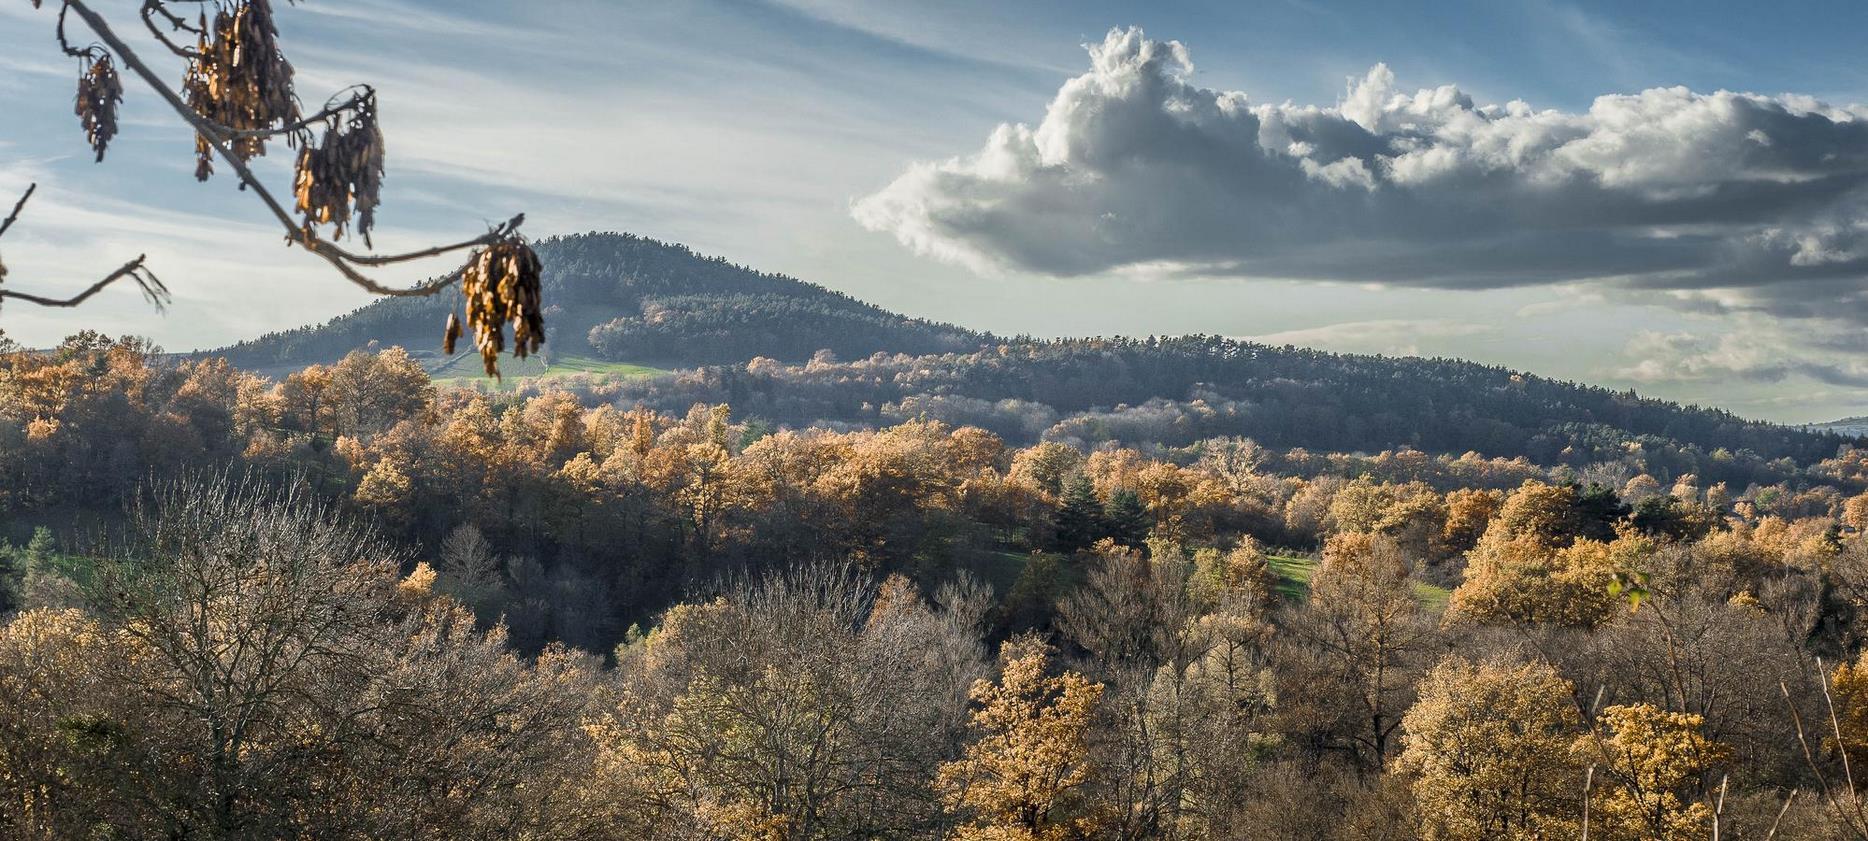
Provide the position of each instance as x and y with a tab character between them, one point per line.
623	297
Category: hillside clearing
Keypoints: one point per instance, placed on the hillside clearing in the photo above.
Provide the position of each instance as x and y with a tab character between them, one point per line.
1294	583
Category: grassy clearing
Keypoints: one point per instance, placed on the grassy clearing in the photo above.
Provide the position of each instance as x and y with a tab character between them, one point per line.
1294	583
464	369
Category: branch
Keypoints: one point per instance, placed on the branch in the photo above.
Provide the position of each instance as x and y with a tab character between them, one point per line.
152	288
217	137
304	123
14	216
176	23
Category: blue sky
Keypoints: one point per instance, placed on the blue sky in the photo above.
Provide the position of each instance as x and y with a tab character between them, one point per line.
788	135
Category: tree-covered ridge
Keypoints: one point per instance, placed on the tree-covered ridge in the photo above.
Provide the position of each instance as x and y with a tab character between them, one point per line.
689	309
1176	391
627	298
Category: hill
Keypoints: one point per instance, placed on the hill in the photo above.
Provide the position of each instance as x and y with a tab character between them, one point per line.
624	308
619	297
1853	427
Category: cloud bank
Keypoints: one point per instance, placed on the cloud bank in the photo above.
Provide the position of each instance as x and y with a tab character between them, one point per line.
1723	201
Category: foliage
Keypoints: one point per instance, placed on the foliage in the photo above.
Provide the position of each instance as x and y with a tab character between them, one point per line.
1488	745
1023	779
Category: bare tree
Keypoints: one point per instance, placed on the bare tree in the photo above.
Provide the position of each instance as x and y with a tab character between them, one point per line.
237	94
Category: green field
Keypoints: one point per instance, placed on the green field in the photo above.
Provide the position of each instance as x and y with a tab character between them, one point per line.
1294	583
464	369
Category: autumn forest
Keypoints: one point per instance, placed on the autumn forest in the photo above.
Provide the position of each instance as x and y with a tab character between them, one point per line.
349	602
593	536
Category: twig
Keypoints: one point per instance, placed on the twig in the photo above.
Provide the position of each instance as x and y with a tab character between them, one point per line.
153	289
176	23
1822	680
14	216
1809	756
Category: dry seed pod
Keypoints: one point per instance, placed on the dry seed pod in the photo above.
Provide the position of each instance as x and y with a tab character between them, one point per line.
239	79
344	171
501	285
99	92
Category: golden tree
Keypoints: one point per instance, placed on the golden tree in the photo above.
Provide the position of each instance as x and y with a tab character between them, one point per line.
1023	779
49	694
1520	578
1651	760
1489	747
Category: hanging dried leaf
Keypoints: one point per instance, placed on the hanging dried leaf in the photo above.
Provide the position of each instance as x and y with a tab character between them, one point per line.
344	171
239	79
501	285
448	338
100	90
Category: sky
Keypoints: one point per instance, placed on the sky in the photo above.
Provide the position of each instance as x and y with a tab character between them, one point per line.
1665	196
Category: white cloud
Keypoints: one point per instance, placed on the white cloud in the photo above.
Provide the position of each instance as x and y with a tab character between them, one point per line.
1764	198
1391	336
1757	349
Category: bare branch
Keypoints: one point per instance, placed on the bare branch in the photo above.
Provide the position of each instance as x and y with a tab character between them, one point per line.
152	288
14	216
176	23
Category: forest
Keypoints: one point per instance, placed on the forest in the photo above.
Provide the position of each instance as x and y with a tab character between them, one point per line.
738	557
349	602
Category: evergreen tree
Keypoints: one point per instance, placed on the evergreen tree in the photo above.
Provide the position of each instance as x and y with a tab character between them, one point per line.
1126	519
1598	509
1079	519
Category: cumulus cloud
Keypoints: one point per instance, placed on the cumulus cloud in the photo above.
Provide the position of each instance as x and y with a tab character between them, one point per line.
1733	201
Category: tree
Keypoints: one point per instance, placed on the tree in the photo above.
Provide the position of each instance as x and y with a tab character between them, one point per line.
1079	518
277	680
31	575
1489	747
1522	580
237	94
1239	581
1366	636
1652	761
1127	521
1023	779
470	573
804	704
52	720
1468	512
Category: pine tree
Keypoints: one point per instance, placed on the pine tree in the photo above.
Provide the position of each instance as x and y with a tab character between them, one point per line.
1079	519
1126	519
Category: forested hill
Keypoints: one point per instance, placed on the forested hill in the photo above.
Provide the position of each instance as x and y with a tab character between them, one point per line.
1177	391
620	296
